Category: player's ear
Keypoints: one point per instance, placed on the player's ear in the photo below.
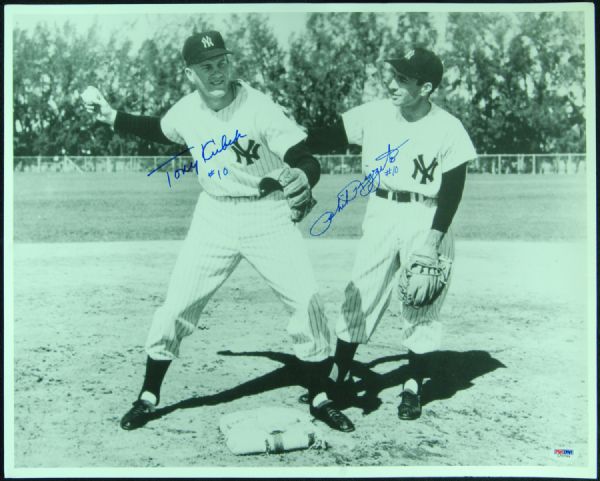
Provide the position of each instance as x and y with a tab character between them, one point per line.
426	89
190	74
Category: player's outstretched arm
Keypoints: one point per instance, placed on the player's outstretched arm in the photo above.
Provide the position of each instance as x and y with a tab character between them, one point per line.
322	140
146	127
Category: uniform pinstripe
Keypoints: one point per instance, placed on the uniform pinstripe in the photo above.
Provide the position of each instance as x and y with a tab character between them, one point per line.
268	133
376	269
237	136
231	223
393	230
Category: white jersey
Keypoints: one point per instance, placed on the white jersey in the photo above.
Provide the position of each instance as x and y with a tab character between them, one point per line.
420	151
247	139
241	143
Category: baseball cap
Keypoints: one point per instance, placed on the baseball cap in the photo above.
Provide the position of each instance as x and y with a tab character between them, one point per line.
421	64
203	46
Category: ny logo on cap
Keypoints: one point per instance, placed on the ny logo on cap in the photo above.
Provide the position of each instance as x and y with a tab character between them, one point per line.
409	54
207	42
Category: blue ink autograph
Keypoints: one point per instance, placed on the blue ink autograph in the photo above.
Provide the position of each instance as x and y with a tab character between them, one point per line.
224	144
178	172
211	172
349	192
193	165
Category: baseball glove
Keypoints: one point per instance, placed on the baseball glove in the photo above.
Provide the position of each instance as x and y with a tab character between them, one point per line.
296	189
423	279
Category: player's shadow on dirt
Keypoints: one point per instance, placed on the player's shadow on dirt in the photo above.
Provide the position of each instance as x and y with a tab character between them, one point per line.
287	375
448	373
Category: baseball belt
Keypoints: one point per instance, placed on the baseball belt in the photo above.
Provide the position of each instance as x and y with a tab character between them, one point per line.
401	196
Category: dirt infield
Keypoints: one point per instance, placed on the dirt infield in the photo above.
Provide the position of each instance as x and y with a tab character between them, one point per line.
508	389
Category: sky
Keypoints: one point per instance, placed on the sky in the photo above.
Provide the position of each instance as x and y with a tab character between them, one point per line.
139	25
283	23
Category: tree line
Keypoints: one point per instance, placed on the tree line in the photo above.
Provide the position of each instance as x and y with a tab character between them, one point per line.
516	80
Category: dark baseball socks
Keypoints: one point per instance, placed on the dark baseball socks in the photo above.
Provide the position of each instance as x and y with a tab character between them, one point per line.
342	361
318	374
415	373
315	376
155	373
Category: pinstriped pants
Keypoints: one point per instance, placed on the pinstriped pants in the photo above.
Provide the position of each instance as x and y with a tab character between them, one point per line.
223	232
391	232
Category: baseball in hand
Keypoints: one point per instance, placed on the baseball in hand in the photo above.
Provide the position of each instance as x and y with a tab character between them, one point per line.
91	95
95	103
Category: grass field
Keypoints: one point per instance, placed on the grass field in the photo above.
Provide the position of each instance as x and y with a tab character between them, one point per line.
131	206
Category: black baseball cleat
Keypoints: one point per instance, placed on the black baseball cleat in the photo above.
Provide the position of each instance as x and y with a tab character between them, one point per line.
410	406
138	415
331	416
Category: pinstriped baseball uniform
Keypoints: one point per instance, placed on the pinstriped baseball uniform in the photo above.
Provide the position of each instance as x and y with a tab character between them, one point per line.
267	134
393	230
231	223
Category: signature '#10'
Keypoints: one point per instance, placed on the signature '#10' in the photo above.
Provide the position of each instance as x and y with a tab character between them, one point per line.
206	155
356	187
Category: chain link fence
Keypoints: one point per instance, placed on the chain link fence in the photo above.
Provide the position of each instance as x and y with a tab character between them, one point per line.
93	164
529	164
532	164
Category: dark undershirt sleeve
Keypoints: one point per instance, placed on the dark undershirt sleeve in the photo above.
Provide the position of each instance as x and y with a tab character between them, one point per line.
299	157
142	126
322	140
449	196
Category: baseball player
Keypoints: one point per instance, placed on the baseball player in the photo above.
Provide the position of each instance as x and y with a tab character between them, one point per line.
231	128
414	157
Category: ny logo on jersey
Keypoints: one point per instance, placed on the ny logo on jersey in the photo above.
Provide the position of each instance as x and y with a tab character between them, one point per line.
426	172
250	154
207	42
